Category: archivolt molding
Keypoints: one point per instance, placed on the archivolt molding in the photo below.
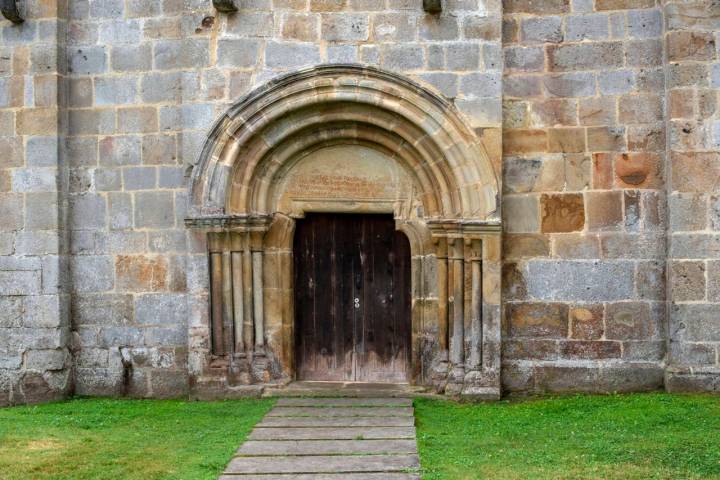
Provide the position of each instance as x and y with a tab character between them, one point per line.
259	138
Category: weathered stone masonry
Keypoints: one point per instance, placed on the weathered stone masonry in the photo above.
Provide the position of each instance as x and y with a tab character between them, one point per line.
595	130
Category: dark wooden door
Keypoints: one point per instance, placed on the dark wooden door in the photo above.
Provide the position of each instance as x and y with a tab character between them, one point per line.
352	299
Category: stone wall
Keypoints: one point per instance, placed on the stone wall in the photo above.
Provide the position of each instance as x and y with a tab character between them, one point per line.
583	203
35	363
105	105
693	126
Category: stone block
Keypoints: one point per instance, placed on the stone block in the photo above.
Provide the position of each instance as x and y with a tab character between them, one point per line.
41	211
692	353
530	349
576	245
634	320
290	55
521	86
519	141
562	212
119	32
87	211
167	86
545	29
482	27
598	111
521	213
43	360
590	350
120	211
623	4
640	108
516	246
11	312
687	281
185	53
606	139
238	53
462	56
616	82
345	27
586	27
197	116
546	320
604	210
566	140
650	280
34	180
90	60
79	92
646	137
161	309
20	282
137	120
684	45
590	56
40	151
116	90
554	112
644	53
638	170
154	210
694	171
92	273
11	211
402	57
108	309
570	85
476	85
37	121
445	83
300	26
90	122
694	322
646	23
587	281
342	54
587	322
541	7
395	27
524	59
159	150
138	273
438	27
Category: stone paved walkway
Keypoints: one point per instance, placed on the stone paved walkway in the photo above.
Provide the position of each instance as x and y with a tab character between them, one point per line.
330	439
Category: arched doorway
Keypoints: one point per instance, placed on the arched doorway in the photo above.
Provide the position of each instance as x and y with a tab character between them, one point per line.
343	139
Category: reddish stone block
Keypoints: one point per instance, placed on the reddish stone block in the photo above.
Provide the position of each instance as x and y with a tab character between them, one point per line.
138	273
602	171
525	245
606	139
623	4
563	212
548	320
638	170
530	349
681	103
542	7
587	322
633	320
514	286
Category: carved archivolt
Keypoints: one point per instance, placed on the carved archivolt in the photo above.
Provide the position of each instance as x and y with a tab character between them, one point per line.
251	146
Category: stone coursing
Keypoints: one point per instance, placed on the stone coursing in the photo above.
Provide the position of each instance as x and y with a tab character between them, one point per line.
606	107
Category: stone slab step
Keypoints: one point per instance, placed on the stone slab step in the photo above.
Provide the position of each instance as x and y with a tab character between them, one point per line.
327	447
344	402
324	464
332	433
281	422
341	412
324	476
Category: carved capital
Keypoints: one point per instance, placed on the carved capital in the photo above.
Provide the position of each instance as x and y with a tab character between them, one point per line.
225	6
11	9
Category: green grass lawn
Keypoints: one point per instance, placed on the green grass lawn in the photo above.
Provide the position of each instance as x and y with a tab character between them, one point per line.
643	436
124	439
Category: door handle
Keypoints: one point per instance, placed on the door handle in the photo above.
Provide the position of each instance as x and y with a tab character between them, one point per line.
357	303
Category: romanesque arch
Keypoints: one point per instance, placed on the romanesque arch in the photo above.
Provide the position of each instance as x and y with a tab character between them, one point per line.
344	138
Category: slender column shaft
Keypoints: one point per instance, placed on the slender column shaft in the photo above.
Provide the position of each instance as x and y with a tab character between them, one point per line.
248	295
258	314
227	304
457	348
442	267
476	319
238	301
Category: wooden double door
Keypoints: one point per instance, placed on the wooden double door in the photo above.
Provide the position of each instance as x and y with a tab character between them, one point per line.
352	299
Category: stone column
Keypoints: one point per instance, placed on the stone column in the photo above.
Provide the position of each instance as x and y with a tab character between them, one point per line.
457	341
476	334
257	291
